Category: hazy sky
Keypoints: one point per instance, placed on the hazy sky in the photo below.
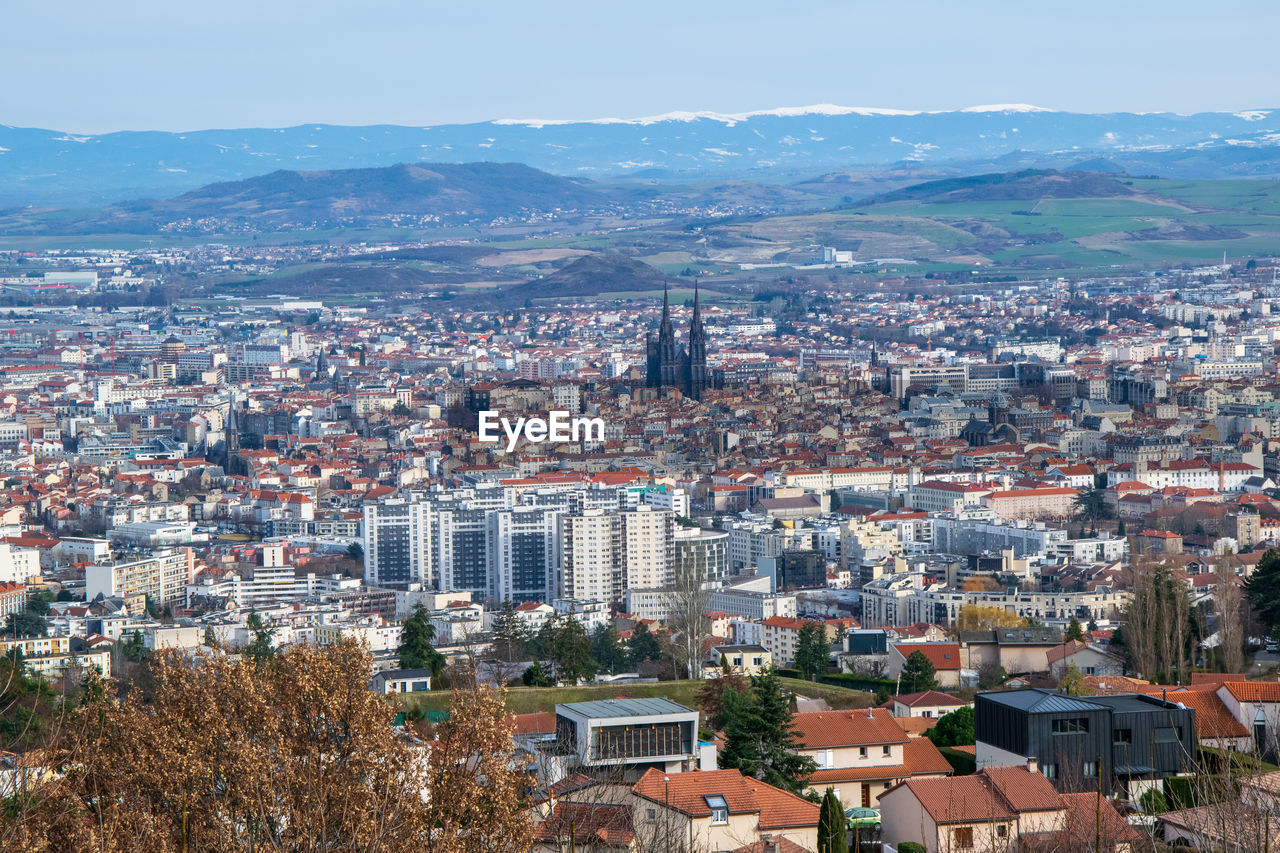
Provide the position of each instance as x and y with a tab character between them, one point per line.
93	66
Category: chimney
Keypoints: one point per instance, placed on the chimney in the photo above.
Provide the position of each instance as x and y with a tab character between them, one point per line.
1033	766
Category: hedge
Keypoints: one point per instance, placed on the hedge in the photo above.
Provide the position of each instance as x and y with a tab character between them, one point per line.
962	763
847	679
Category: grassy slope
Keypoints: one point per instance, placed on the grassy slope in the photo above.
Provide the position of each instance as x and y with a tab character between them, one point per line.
525	700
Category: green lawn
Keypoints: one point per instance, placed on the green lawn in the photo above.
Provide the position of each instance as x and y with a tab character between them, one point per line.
526	700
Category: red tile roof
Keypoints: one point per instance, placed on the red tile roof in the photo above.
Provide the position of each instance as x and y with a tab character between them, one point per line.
827	729
943	656
687	793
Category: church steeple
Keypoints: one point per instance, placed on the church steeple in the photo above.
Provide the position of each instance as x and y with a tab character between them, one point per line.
671	366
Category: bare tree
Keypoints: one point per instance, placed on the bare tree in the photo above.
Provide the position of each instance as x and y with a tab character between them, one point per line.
1228	599
687	616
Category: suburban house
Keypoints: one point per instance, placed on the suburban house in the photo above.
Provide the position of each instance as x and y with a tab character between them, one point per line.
1015	649
996	810
861	753
718	810
1256	706
945	658
1129	741
402	681
927	703
744	660
1087	658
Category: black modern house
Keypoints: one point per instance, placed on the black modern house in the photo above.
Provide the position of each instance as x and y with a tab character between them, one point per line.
1076	741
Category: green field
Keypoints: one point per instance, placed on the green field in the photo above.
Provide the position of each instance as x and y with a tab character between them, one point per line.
527	700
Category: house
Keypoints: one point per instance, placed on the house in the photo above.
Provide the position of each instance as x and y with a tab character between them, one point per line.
1256	706
718	810
744	660
928	703
1127	740
595	826
1015	649
945	658
401	681
996	810
1087	658
781	636
861	753
631	735
1230	826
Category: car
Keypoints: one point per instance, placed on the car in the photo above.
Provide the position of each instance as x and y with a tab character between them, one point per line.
863	818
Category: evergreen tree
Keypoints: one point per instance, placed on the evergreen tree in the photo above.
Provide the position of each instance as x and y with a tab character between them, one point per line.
918	675
760	736
536	676
643	645
260	647
743	729
954	729
510	635
813	657
211	638
610	654
1120	528
831	826
570	650
133	648
416	650
1074	631
1263	589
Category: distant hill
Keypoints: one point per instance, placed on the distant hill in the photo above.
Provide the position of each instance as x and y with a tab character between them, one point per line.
281	199
589	276
52	167
1025	185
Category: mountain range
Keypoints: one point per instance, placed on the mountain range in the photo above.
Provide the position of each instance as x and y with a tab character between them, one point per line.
54	168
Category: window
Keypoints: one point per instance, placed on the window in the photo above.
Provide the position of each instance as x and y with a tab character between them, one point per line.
862	752
886	751
651	815
1090	769
719	808
1123	736
962	837
1071	726
1050	771
1002	831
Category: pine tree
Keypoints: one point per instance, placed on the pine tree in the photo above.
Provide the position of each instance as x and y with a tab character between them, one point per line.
416	650
1074	631
510	636
610	654
831	825
813	658
570	650
780	764
643	645
1263	589
918	675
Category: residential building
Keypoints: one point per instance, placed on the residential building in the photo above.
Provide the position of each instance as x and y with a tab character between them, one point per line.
862	753
1128	741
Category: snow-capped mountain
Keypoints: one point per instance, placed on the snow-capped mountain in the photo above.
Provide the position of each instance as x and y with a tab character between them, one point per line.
54	167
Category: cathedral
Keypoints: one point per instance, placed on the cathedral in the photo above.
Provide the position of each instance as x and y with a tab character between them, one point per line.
672	367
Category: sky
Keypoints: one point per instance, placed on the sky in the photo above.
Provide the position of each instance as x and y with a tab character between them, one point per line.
92	67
